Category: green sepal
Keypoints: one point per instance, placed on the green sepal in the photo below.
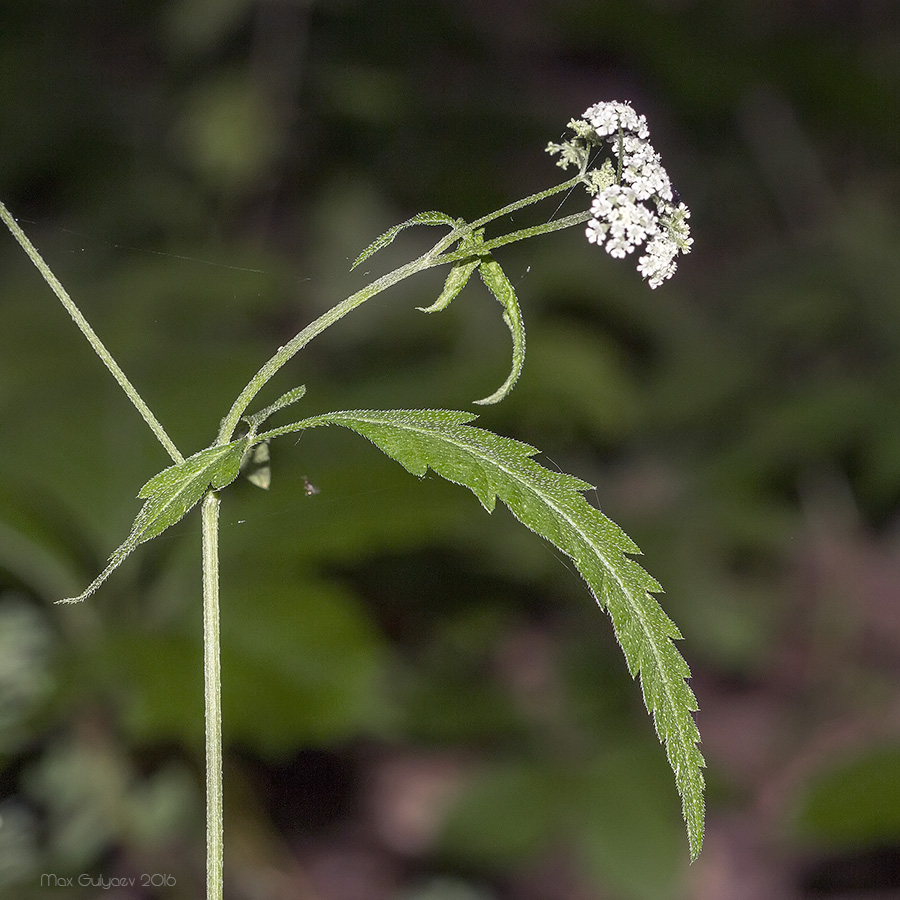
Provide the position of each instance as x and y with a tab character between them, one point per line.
170	495
425	218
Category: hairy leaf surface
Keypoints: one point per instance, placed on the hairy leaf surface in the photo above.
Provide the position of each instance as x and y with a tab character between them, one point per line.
170	494
552	504
292	396
459	273
425	218
501	287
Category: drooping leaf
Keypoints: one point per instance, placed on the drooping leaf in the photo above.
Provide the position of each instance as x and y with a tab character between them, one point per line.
552	504
170	494
500	286
457	278
424	218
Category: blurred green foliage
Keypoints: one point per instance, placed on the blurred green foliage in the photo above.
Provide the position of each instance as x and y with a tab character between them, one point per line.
854	801
200	176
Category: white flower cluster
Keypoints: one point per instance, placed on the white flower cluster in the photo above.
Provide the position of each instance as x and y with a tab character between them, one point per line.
640	205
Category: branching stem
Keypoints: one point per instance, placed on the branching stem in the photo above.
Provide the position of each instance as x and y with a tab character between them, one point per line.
433	257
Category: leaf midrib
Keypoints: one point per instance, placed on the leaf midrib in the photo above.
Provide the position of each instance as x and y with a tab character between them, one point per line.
562	514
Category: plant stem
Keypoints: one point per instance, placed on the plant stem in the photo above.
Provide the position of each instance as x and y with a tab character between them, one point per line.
284	353
212	695
521	235
527	201
434	257
91	335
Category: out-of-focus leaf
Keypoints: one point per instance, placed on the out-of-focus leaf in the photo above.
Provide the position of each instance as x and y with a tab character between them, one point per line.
26	649
301	664
854	802
598	809
256	466
630	841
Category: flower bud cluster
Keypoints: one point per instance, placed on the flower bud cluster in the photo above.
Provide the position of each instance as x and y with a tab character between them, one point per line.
638	206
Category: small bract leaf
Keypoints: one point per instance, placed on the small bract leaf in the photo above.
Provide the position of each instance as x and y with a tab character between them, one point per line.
459	273
292	396
170	494
425	218
500	286
457	278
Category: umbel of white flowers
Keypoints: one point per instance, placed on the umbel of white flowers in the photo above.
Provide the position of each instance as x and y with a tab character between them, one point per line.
633	201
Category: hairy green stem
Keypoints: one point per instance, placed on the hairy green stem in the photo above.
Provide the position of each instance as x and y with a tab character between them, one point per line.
434	257
288	350
212	694
521	235
91	335
527	201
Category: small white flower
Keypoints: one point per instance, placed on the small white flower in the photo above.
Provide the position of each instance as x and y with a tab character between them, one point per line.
658	263
607	118
595	231
638	207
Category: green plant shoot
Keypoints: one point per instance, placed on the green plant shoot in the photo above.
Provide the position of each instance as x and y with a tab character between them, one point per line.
632	205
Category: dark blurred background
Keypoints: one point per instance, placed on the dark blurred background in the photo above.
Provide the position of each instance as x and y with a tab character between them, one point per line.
422	702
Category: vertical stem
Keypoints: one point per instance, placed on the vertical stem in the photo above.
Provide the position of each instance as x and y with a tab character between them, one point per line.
212	693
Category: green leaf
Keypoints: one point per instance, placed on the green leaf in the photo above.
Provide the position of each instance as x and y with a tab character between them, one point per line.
425	218
500	286
457	279
853	800
292	396
170	494
459	273
552	504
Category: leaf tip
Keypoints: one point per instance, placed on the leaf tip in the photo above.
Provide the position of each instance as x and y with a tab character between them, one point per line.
71	601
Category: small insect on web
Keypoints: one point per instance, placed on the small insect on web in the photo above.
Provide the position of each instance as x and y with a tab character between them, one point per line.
309	488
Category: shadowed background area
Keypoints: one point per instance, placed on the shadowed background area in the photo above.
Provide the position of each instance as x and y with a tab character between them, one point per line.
421	701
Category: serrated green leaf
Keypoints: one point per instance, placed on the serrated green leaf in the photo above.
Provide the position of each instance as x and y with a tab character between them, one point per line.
500	286
425	218
170	494
552	504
